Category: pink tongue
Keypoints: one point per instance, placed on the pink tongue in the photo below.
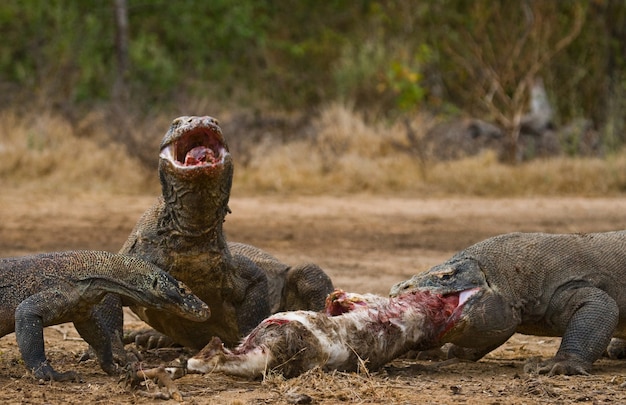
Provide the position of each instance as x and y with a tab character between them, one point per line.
199	155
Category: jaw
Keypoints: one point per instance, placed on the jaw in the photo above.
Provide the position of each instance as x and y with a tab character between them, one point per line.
181	303
456	312
196	171
194	143
485	318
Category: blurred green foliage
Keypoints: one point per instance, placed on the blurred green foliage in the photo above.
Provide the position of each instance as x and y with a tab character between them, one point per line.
381	56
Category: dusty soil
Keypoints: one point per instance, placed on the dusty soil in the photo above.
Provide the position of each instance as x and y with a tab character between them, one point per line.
366	244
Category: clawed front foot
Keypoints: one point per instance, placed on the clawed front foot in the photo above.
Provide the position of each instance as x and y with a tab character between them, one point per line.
47	373
149	339
562	364
120	359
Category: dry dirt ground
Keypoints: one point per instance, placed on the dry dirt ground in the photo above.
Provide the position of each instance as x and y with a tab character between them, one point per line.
366	244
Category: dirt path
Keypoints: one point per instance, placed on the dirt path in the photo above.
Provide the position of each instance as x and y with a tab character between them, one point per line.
366	244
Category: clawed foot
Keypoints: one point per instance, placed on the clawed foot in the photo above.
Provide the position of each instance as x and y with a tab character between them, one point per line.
149	339
47	373
558	365
120	359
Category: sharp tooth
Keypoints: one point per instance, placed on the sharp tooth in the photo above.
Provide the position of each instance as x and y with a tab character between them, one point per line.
167	153
465	295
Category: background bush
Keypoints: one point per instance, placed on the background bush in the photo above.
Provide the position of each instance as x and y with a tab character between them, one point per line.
274	69
380	55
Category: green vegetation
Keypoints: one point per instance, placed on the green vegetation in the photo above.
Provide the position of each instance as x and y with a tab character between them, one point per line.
378	54
75	67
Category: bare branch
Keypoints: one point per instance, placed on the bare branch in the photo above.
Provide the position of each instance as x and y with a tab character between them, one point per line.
529	18
559	46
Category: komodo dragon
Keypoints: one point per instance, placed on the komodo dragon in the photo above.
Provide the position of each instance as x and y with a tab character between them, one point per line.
182	233
569	285
53	288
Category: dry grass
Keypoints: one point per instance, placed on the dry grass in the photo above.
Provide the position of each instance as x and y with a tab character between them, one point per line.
345	155
484	176
338	386
41	152
348	156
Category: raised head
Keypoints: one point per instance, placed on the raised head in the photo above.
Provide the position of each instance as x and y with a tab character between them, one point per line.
193	143
194	153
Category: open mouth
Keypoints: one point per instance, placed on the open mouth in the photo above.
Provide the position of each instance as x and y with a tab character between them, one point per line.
198	147
454	304
456	301
464	296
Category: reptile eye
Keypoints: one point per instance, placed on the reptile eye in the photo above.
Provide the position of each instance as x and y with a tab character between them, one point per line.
444	276
182	288
155	283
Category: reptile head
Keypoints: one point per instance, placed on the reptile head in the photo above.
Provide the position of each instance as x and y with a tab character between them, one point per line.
196	171
457	274
482	314
194	144
175	297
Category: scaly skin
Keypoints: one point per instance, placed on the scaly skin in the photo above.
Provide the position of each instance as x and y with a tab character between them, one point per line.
182	233
569	285
53	288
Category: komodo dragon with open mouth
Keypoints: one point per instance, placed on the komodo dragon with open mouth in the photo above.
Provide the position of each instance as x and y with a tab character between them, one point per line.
569	285
182	233
53	288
